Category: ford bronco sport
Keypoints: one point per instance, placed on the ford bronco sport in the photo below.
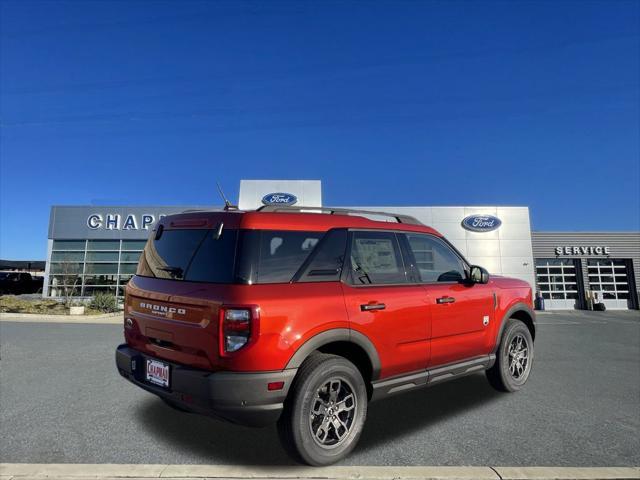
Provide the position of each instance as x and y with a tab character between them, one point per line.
303	318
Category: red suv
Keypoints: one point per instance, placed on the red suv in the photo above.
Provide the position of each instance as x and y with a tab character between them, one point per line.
303	318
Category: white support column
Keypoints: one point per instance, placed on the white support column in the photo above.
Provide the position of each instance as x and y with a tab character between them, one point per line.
47	268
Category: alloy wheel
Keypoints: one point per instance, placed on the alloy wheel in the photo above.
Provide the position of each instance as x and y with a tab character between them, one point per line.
333	411
518	356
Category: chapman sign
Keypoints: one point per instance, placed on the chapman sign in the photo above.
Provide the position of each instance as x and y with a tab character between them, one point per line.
115	221
585	250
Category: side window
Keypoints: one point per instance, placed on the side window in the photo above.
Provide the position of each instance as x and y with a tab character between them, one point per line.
376	259
435	261
282	253
326	263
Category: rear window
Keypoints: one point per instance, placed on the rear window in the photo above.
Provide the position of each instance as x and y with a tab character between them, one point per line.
190	255
238	256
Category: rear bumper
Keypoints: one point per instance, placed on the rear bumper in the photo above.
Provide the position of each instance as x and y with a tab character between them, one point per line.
241	398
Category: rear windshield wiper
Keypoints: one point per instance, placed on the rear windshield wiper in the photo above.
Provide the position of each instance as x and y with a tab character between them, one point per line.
175	272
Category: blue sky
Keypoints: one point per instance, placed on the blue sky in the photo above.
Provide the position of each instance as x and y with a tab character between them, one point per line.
406	103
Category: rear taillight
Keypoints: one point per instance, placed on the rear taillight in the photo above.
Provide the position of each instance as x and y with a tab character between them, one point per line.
237	324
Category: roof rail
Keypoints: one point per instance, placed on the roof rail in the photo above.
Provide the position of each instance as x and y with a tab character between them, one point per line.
340	211
201	210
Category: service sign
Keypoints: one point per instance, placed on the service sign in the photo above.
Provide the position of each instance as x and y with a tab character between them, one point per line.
280	198
583	250
481	223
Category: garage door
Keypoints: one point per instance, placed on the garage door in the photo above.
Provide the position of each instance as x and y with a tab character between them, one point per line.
557	282
610	279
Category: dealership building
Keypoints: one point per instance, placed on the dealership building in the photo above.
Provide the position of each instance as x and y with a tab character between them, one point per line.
99	246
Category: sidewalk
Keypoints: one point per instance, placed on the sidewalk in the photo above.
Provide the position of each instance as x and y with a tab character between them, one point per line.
107	318
13	471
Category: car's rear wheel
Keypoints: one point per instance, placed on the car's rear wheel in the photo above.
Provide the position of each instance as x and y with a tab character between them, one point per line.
513	358
325	411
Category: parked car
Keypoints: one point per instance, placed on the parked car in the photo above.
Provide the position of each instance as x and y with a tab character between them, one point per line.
302	319
18	283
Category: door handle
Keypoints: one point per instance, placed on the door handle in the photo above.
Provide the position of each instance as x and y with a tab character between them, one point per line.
445	300
367	307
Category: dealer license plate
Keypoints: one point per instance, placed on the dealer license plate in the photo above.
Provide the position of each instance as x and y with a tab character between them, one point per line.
157	373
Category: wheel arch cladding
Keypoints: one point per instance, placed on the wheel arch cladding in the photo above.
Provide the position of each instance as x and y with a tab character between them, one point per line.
526	318
519	311
352	345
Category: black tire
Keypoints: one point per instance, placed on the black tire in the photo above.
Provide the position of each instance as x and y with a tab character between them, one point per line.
313	438
513	364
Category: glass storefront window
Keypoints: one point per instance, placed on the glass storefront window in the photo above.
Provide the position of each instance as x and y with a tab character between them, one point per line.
133	244
103	245
100	279
130	257
110	268
68	245
128	268
90	291
67	256
66	268
102	256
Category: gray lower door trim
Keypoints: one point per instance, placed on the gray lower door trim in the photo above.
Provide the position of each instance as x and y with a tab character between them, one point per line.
425	378
455	370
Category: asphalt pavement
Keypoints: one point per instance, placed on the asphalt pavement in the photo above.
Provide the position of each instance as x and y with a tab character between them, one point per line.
62	401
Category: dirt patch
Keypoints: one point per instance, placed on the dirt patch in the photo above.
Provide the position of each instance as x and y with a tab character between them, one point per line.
14	304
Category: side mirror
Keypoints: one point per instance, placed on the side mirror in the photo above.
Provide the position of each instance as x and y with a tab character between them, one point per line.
478	275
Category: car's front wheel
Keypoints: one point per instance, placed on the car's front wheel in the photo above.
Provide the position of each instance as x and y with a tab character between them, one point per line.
513	358
325	411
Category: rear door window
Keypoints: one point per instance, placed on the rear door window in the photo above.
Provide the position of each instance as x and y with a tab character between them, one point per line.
375	258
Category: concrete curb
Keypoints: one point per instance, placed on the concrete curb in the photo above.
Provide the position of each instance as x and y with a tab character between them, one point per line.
107	318
22	471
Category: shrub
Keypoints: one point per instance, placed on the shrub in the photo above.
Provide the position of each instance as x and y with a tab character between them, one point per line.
104	303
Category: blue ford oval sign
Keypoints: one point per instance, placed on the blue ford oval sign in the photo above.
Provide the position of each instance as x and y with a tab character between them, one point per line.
279	198
481	223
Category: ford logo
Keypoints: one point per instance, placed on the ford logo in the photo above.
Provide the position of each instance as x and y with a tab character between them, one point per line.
481	223
280	198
